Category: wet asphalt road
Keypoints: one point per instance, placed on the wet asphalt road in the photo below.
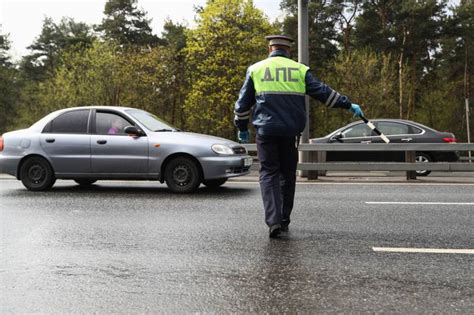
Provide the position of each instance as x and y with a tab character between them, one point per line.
133	248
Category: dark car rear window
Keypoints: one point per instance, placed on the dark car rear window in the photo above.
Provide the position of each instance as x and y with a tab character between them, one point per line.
75	122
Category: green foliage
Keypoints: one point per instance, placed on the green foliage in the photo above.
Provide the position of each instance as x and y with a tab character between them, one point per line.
8	96
105	74
8	85
369	79
126	24
191	77
228	38
4	48
53	40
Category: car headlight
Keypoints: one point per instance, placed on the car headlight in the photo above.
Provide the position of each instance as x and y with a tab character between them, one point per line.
222	149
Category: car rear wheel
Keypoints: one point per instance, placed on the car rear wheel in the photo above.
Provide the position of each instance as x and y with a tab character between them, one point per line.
423	158
36	174
85	181
182	175
214	183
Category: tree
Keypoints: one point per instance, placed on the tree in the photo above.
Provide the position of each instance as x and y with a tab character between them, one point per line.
126	24
53	40
8	85
449	83
323	35
4	48
229	37
411	30
368	78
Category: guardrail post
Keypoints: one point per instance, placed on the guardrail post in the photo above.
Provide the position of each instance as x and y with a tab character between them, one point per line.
322	159
410	157
313	158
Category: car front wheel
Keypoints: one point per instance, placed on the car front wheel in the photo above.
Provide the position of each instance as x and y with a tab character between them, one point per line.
36	174
182	175
423	158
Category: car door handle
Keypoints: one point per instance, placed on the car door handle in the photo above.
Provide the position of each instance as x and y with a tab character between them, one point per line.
366	142
50	140
407	139
101	141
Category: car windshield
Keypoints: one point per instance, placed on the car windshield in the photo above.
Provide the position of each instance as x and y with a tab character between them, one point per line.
150	121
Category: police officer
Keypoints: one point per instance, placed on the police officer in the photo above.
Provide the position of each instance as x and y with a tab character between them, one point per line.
277	87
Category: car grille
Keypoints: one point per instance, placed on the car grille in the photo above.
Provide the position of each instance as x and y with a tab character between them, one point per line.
239	150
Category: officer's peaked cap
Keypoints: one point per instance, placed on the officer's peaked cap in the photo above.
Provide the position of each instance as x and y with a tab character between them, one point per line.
279	40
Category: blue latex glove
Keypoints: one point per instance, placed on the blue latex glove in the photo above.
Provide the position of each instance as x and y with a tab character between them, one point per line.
355	109
243	136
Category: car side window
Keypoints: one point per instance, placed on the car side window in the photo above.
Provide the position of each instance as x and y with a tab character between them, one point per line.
415	130
357	131
74	122
110	124
393	128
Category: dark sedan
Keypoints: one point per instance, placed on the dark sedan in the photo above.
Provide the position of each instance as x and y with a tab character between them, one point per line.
398	131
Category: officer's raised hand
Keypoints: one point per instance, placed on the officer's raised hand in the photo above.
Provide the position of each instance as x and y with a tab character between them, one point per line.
243	136
355	109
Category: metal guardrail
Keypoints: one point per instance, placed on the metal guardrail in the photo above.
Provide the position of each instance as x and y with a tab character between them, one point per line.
319	163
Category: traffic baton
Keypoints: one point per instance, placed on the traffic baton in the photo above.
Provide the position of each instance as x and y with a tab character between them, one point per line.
372	126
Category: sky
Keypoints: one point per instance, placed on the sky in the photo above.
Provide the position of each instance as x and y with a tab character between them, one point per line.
23	19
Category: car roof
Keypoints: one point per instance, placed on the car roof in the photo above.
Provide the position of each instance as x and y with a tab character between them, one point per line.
96	107
409	122
42	122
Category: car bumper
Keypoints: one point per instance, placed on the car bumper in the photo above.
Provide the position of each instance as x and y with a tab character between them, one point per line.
225	166
9	165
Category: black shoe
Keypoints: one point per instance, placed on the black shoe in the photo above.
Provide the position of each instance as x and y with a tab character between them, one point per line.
284	228
275	230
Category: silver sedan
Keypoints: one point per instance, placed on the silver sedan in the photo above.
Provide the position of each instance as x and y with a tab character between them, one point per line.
87	144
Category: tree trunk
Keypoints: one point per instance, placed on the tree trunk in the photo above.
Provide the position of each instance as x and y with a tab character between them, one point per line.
400	75
411	97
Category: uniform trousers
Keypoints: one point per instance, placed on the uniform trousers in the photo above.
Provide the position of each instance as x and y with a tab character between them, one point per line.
278	160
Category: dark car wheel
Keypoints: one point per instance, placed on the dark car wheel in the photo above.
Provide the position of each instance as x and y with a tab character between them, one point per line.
422	158
182	175
36	174
85	181
214	183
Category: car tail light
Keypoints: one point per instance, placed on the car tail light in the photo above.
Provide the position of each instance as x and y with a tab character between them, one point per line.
1	144
449	140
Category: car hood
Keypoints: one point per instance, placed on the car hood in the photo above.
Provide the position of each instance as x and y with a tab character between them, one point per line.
319	140
189	138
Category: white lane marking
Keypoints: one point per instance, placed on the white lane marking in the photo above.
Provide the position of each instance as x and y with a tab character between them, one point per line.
360	183
424	250
419	203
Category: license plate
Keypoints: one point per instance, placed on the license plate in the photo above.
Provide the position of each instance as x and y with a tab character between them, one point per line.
248	161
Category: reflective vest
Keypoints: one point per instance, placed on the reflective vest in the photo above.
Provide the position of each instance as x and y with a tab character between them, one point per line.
279	75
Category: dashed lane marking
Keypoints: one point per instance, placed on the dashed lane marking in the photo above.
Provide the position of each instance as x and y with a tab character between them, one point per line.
363	183
423	250
419	203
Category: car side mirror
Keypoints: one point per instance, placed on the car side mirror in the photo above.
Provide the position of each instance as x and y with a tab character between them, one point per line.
133	131
336	138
